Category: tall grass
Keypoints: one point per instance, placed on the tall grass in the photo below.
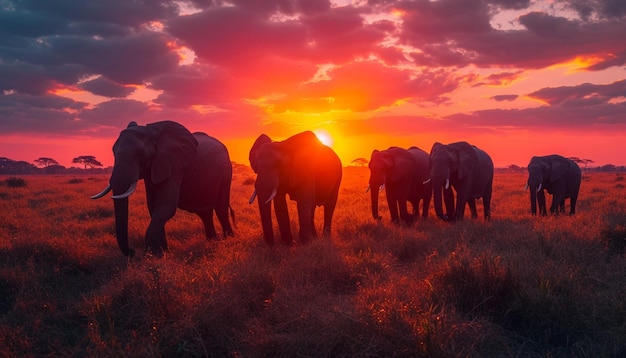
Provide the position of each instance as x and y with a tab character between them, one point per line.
515	286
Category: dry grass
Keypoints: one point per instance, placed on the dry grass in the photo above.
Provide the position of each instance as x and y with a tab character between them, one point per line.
515	286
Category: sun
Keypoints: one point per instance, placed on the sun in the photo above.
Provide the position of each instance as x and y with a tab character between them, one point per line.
324	137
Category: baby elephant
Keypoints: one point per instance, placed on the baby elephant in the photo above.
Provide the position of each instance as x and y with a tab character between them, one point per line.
559	176
404	174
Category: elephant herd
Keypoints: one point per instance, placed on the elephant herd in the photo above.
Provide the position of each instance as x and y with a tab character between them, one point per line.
193	171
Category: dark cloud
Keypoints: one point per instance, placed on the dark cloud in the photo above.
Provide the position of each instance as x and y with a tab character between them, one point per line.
104	87
499	79
603	8
116	113
505	97
581	95
48	113
283	56
129	60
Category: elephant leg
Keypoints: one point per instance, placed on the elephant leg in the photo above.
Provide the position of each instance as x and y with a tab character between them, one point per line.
306	213
472	205
329	210
282	217
487	201
222	216
572	204
404	211
392	203
415	205
209	227
155	234
461	201
426	204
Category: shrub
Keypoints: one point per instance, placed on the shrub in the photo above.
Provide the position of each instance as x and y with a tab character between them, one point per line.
14	182
478	287
614	234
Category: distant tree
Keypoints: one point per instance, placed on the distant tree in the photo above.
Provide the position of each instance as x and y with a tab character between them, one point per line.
10	166
87	161
360	162
514	167
44	162
585	162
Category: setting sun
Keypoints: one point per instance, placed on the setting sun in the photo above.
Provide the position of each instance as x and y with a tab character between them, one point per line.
324	137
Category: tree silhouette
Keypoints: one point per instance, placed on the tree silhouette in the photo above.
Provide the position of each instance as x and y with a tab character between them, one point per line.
45	162
360	162
582	161
87	160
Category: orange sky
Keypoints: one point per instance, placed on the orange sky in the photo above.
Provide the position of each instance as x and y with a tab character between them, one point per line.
515	77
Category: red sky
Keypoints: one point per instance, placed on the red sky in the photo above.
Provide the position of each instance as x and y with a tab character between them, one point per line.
515	77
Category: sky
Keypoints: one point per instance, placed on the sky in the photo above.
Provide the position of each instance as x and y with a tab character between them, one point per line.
516	78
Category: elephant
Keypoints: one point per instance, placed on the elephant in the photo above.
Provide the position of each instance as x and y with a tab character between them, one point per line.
302	167
402	172
559	176
190	171
467	169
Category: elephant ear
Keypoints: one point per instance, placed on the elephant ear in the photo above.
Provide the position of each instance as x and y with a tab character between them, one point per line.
175	149
299	153
467	158
558	168
255	151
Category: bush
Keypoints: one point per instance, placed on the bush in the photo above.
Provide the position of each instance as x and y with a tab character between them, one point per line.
14	182
614	235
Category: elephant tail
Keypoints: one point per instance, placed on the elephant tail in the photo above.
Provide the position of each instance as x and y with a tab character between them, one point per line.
232	216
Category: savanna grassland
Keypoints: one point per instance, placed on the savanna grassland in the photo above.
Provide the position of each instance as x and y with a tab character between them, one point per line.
517	286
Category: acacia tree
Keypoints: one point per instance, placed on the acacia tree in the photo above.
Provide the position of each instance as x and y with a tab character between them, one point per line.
45	162
360	162
87	161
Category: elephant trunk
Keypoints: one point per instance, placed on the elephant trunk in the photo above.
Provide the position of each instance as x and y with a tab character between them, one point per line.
374	195
122	185
265	209
266	187
442	188
437	202
533	200
121	225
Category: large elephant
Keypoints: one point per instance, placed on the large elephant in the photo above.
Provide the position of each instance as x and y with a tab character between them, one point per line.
189	171
559	176
402	172
302	167
468	170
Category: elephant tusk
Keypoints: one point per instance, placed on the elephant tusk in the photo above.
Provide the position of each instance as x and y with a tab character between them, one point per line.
252	197
426	181
381	188
102	193
526	187
128	192
447	184
271	196
539	188
368	189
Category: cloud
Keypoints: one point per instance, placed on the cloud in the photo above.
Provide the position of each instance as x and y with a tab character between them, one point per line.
505	97
107	88
582	95
252	63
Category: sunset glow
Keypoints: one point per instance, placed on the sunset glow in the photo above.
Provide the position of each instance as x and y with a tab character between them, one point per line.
517	78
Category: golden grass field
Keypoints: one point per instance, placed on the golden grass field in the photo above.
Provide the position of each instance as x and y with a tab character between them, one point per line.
517	286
